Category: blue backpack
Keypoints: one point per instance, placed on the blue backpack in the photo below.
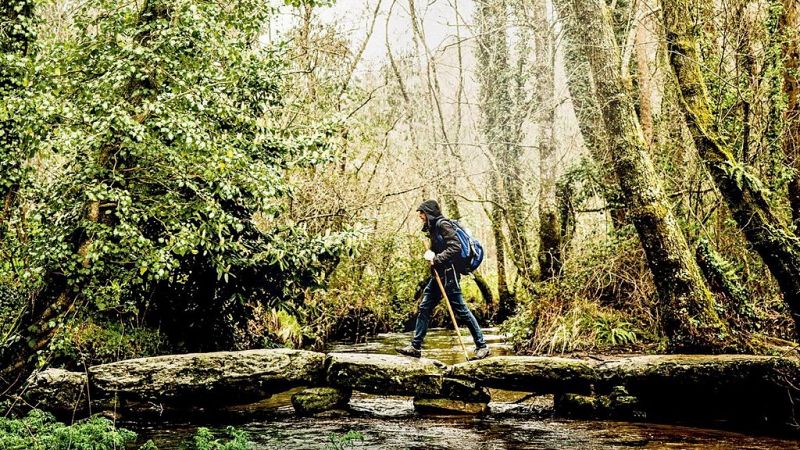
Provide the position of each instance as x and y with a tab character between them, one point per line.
471	250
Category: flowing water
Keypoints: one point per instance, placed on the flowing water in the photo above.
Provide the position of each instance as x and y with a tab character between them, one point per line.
515	421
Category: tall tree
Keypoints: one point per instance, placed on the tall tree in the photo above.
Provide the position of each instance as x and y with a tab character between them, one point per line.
686	305
580	81
503	109
496	131
36	325
549	220
646	50
746	196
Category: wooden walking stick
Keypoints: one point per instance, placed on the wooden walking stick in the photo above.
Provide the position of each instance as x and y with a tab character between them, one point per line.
450	310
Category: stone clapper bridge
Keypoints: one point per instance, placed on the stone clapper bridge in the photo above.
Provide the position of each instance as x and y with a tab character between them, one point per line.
758	391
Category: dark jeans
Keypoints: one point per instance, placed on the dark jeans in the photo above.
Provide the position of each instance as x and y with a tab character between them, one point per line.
430	298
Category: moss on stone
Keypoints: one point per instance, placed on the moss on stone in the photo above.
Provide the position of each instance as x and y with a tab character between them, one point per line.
315	400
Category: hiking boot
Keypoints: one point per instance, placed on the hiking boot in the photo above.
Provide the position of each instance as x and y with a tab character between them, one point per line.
481	353
409	350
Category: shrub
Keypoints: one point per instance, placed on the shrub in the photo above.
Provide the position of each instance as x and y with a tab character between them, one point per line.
604	303
204	439
40	431
345	441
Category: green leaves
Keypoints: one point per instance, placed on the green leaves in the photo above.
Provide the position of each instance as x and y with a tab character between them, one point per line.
159	156
39	431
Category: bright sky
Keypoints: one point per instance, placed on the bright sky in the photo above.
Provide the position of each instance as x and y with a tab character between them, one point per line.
439	22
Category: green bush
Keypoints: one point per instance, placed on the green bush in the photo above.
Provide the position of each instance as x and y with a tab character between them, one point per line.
40	431
204	439
580	325
160	192
94	341
605	303
345	441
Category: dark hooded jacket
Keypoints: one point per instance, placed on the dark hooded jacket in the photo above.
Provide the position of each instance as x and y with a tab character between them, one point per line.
442	234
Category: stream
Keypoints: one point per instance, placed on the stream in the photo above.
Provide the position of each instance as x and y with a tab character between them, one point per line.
515	421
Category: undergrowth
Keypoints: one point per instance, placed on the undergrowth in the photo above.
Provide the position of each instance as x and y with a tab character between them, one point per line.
39	430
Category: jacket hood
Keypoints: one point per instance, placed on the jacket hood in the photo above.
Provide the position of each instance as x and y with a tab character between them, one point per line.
432	211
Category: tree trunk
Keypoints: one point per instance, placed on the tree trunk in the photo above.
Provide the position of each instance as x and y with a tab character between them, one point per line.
590	119
686	305
451	206
789	25
743	192
486	291
549	227
723	281
498	128
505	299
646	46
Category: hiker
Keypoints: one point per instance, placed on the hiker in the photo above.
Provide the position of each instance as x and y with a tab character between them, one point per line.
443	255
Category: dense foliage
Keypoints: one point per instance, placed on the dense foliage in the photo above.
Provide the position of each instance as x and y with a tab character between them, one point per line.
39	431
159	189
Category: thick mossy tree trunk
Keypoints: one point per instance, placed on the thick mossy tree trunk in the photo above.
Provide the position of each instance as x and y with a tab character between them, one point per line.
743	192
686	305
549	226
41	319
590	118
789	28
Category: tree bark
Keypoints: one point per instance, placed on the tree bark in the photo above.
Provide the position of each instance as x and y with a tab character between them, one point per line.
505	299
486	291
498	128
686	305
549	226
590	119
646	46
743	192
723	281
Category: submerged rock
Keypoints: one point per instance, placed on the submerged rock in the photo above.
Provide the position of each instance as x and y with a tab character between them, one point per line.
537	374
449	406
616	405
456	396
315	400
385	374
210	378
578	406
468	391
